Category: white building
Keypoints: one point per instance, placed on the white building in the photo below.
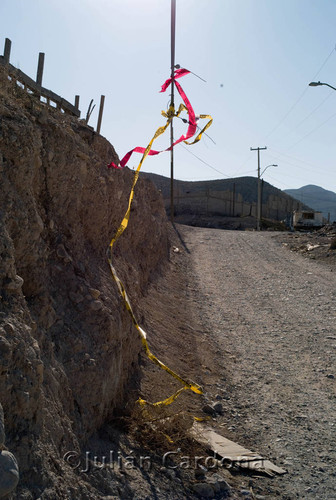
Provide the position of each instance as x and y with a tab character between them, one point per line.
304	219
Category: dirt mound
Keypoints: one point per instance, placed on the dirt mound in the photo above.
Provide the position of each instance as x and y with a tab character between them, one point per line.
68	352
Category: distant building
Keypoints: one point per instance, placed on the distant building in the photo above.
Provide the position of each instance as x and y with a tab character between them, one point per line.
305	219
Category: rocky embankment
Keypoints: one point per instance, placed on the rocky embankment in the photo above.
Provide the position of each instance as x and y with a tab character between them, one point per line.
68	352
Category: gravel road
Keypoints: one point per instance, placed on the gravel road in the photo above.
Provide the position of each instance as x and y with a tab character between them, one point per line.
271	315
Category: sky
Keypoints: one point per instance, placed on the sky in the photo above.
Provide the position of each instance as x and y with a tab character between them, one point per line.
257	58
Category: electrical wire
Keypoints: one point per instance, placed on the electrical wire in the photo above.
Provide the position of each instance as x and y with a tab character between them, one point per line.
296	159
314	130
205	163
213	168
199	128
300	97
311	167
312	112
279	182
248	158
177	66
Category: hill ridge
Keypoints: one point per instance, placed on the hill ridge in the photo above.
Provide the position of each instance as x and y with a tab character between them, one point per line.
235	197
320	199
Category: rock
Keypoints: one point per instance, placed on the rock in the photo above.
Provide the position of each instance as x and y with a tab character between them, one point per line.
39	371
5	352
216	488
9	473
218	407
96	305
220	485
94	293
170	474
204	490
199	474
209	410
63	254
9	328
2	427
76	297
43	117
15	285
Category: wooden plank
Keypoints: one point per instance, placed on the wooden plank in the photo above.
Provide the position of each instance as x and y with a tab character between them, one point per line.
40	67
100	116
21	77
233	452
7	51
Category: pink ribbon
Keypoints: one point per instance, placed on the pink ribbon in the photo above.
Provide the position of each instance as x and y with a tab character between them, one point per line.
178	73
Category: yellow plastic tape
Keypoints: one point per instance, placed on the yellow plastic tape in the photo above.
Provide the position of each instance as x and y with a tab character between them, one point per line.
165	402
186	385
198	138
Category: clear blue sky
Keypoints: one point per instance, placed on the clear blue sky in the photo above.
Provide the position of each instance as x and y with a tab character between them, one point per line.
257	57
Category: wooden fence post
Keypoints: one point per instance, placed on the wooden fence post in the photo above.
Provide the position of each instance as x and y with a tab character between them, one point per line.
8	45
40	66
100	116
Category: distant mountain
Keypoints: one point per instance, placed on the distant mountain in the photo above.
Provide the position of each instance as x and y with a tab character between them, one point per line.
244	186
316	197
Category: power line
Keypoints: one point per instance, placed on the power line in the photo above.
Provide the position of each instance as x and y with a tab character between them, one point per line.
205	163
248	158
312	112
300	97
287	114
294	158
314	130
325	62
280	182
199	128
311	167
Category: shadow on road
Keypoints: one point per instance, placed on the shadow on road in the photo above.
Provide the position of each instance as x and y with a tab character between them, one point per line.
180	238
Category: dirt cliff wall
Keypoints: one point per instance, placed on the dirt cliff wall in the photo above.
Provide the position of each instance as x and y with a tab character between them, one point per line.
68	352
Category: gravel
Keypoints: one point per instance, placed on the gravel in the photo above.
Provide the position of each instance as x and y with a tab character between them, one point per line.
270	316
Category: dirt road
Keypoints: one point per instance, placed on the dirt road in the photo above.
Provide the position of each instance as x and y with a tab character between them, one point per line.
271	315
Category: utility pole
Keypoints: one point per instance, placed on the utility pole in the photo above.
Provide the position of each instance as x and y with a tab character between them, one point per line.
259	187
173	23
234	199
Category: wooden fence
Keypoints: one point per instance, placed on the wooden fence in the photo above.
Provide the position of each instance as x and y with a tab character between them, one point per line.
35	87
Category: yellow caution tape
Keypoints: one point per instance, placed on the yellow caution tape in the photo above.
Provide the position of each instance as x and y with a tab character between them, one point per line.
198	138
165	402
186	385
169	114
202	419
